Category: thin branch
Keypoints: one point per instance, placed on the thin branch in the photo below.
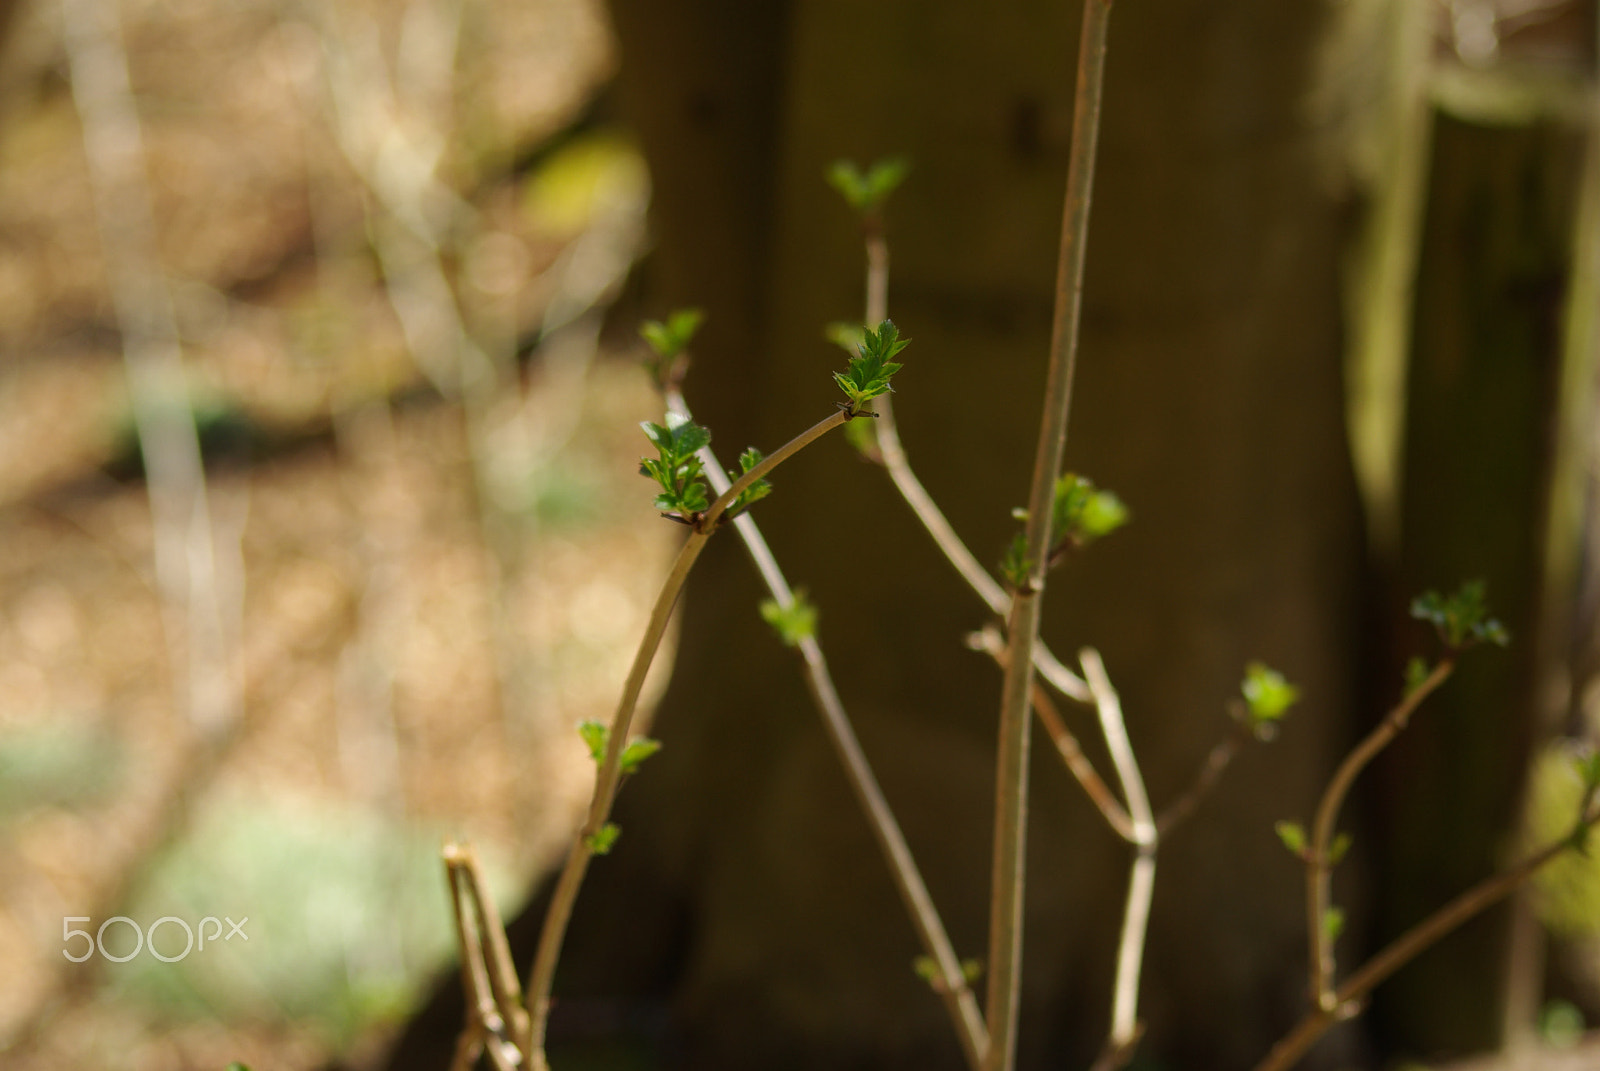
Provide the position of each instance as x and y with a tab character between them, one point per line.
1210	773
1005	935
1083	771
952	985
485	1027
1141	880
1348	998
1319	867
542	974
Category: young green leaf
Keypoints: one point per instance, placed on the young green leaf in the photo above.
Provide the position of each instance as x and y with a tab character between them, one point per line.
1332	924
1337	850
867	191
756	491
1417	670
637	751
1015	566
1081	514
1267	695
795	622
1461	619
972	969
676	468
926	969
601	841
596	736
672	337
873	367
1292	835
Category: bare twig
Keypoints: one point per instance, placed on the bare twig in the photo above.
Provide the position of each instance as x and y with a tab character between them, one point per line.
1005	934
989	640
1347	998
609	775
1216	761
1319	867
1141	878
483	957
952	985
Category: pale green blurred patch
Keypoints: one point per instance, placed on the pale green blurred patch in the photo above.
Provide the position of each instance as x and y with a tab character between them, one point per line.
348	912
58	764
1569	887
580	180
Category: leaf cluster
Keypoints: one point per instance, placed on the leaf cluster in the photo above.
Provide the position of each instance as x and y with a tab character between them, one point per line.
675	468
756	491
871	370
598	738
793	623
668	340
1267	697
1293	836
866	191
1081	514
1461	619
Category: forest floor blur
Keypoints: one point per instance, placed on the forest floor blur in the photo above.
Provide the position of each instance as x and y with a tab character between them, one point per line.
430	565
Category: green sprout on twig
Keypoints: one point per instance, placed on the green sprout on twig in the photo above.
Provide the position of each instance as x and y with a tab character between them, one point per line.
1267	698
669	339
872	368
1081	514
601	841
866	191
676	469
1016	567
1462	619
793	623
598	738
756	491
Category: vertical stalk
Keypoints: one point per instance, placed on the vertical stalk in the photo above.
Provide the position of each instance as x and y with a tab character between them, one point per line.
1011	825
1142	875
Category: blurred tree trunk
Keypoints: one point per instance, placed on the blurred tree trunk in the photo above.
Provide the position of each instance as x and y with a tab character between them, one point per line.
1486	352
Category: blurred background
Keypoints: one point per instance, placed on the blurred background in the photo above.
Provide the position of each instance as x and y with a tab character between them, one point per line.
316	527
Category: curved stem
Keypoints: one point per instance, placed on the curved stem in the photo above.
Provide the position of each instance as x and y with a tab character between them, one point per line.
1319	876
1346	1000
542	974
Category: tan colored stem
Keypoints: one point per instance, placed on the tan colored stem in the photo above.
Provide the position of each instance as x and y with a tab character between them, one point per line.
1319	868
542	974
952	985
1082	770
1346	1000
1005	934
1141	879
